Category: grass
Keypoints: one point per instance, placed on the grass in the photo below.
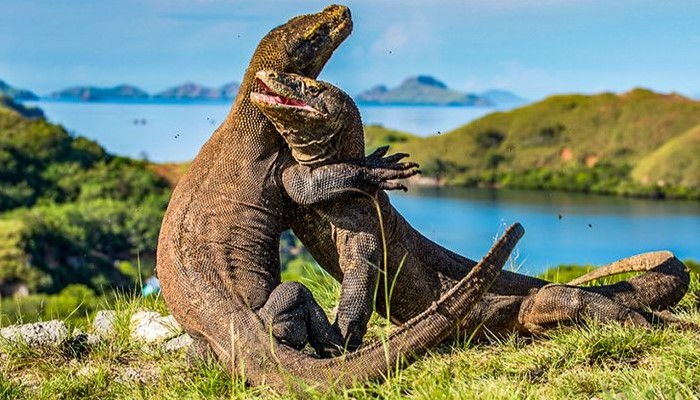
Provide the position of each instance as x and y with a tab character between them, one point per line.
570	363
568	142
675	162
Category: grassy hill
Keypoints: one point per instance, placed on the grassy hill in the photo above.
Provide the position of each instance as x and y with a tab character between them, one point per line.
70	212
569	142
677	162
377	135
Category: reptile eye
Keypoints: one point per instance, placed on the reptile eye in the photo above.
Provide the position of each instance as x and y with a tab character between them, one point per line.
313	90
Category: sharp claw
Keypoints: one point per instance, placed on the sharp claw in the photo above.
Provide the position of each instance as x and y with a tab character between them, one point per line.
395	157
380	152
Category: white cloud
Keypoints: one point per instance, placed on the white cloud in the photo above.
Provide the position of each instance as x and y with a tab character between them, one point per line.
395	38
515	77
408	36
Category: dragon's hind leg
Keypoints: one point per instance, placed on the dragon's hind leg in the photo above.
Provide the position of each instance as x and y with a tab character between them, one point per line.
663	283
557	304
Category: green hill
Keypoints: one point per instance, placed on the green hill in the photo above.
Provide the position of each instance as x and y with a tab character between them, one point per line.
69	211
568	142
8	104
676	163
377	135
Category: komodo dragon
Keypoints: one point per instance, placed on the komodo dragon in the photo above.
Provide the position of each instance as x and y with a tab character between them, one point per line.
218	256
322	125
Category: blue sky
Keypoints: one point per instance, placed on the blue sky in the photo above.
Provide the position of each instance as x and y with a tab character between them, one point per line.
532	47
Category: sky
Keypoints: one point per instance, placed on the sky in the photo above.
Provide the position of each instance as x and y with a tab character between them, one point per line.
534	48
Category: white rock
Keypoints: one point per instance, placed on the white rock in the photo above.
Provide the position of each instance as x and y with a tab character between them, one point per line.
172	322
93	339
87	371
130	374
178	343
151	327
50	333
104	322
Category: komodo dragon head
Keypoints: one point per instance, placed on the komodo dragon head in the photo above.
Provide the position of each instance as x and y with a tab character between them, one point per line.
308	42
318	121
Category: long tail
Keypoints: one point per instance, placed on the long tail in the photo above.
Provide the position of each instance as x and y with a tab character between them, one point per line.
248	349
664	282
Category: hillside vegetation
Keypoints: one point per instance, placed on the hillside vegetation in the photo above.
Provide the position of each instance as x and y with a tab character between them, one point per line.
71	213
571	142
676	162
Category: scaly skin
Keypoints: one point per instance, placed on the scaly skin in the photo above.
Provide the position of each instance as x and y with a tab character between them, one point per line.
218	259
322	125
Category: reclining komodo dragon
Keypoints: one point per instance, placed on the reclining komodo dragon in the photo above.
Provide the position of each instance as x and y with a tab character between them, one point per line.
218	250
322	125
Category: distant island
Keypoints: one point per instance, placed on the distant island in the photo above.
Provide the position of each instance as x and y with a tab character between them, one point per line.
92	93
417	90
427	90
193	91
16	94
186	91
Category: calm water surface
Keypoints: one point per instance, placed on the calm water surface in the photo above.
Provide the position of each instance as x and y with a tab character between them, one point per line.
592	229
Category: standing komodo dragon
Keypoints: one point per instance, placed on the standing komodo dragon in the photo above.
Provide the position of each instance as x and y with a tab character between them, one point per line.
322	125
218	256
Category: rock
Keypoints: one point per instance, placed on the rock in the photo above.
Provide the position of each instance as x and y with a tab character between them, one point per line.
172	322
50	333
93	339
177	343
87	371
151	327
148	374
130	374
104	323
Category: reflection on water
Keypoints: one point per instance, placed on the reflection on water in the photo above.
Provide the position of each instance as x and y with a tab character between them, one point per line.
561	228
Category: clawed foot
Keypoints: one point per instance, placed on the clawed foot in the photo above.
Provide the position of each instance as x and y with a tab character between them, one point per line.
555	304
381	170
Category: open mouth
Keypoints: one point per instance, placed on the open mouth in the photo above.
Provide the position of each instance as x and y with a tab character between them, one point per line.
271	97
